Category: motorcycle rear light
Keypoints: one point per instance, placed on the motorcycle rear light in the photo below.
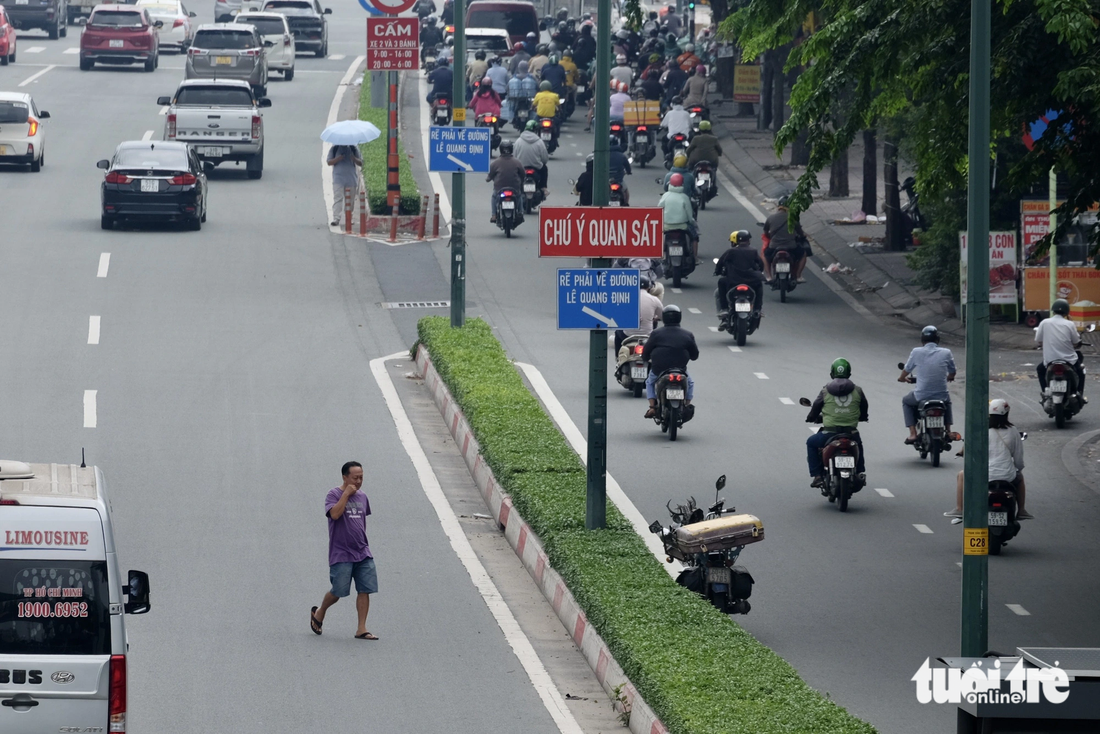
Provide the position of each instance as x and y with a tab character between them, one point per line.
742	288
934	412
116	696
642	128
529	171
547	123
996	504
171	126
506	194
114	177
1058	369
616	187
185	179
639	348
491	119
257	126
675	378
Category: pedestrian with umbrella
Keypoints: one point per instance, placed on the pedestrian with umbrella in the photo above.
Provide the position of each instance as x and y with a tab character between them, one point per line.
345	159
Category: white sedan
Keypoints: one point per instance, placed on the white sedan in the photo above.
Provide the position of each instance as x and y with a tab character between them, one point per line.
177	29
22	134
274	30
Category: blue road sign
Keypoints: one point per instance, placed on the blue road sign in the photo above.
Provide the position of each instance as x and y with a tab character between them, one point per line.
598	298
459	149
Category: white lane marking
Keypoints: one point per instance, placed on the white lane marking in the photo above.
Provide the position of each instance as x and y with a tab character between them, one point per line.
337	57
735	350
923	529
1018	610
433	176
163	110
677	290
93	330
786	401
884	492
35	75
740	197
694	310
551	697
34	50
104	263
148	135
813	429
713	328
333	111
959	564
573	435
89	408
761	376
844	295
72	51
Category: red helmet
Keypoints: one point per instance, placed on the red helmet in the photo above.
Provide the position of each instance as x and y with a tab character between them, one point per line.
676	180
518	47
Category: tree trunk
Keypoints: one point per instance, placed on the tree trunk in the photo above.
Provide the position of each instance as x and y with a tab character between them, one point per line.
870	172
838	175
766	89
800	152
778	79
895	239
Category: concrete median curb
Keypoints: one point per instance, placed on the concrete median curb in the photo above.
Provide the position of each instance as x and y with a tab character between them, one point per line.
529	549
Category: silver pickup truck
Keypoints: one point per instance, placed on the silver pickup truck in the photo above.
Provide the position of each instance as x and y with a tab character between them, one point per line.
220	119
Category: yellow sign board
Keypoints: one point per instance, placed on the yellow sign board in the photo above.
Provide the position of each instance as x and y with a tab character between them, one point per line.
746	83
459	114
975	541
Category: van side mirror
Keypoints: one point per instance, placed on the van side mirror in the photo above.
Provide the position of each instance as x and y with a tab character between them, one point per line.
137	589
720	483
164	101
104	164
542	25
264	102
43	115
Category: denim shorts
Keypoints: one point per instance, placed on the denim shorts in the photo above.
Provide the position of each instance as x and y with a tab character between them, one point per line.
341	574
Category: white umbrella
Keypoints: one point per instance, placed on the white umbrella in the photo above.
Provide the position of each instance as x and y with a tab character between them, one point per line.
350	132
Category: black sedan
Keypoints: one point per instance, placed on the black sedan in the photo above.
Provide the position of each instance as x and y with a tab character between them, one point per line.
154	181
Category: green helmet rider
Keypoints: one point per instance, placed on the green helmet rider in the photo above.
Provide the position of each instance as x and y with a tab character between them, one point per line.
840	369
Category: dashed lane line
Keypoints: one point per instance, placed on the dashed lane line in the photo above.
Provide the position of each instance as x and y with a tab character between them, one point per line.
148	135
713	328
761	376
884	492
923	529
72	51
735	350
93	330
693	310
90	408
786	401
1018	610
104	263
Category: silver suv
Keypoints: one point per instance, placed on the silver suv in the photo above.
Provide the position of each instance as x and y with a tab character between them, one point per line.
228	51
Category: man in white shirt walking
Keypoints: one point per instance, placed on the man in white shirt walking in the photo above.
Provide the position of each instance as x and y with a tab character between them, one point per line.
1059	339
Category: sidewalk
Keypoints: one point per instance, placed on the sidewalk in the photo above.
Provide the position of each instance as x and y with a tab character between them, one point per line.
881	280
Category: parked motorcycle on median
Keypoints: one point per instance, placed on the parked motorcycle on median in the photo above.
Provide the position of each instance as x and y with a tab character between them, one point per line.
708	545
932	437
840	457
510	210
631	371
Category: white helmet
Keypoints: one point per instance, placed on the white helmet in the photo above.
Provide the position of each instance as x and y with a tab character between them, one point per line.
998	407
620	59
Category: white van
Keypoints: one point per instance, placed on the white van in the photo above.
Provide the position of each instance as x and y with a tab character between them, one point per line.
62	635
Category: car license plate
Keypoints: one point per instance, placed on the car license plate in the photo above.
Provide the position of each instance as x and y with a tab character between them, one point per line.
223	60
998	519
675	251
547	135
638	373
1058	386
674	393
704	179
213	152
742	307
933	421
718	576
6	150
115	43
844	462
22	2
782	267
508	204
150	184
615	203
529	188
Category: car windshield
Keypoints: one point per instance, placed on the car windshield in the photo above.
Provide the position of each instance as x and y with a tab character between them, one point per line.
266	26
516	22
290	7
487	43
214	97
11	112
150	158
116	19
224	39
54	608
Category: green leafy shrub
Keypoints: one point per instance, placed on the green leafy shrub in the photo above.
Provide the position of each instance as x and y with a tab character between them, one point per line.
701	672
374	161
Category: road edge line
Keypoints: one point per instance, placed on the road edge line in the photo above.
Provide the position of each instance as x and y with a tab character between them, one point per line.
517	639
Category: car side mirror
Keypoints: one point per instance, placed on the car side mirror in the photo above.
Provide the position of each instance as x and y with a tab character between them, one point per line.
655	527
328	11
805	402
720	483
158	24
269	44
163	101
137	589
192	14
104	164
43	115
264	102
208	167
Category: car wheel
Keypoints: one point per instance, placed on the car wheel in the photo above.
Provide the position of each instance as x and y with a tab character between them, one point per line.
12	57
194	224
86	64
255	165
63	23
151	64
55	32
322	52
288	74
106	222
4	60
36	165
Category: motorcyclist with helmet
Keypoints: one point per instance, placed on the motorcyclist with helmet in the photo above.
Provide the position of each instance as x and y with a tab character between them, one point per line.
618	166
674	80
669	347
781	237
475	72
442	80
739	264
649	315
1059	340
1006	460
506	172
676	120
673	21
704	146
695	88
678	214
672	46
622	72
519	55
583	186
554	73
531	152
429	36
933	367
839	407
584	48
546	101
531	42
679	165
650	86
540	59
499	75
688	60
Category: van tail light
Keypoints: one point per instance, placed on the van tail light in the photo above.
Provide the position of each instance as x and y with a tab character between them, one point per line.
9	502
221	2
192	51
172	126
184	179
33	124
257	121
117	695
114	177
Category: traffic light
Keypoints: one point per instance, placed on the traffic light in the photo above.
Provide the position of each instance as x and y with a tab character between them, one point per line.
691	5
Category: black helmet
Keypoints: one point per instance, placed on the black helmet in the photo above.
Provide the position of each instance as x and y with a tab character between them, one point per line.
562	27
479	54
929	334
671	38
784	201
563	13
614	142
671	314
506	147
431	20
644	283
1060	307
542	49
740	237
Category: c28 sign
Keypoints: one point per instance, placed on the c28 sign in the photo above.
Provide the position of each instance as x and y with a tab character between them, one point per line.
600	231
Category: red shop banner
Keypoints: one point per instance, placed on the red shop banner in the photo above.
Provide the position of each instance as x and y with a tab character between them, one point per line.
601	231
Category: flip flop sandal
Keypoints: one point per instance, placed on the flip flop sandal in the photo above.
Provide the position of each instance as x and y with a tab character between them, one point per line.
910	441
313	623
366	636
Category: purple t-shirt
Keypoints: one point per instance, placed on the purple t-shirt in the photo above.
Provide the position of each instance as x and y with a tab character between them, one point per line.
347	537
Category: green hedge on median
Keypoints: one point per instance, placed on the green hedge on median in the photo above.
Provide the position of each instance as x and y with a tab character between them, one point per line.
700	671
374	160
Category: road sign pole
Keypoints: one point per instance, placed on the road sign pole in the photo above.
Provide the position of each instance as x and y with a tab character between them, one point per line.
458	180
1053	186
393	178
975	565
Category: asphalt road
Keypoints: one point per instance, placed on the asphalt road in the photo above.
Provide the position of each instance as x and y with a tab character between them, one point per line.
855	601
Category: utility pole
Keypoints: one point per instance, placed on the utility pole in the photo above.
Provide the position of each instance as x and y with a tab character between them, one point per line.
458	180
975	566
393	176
596	509
1053	186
